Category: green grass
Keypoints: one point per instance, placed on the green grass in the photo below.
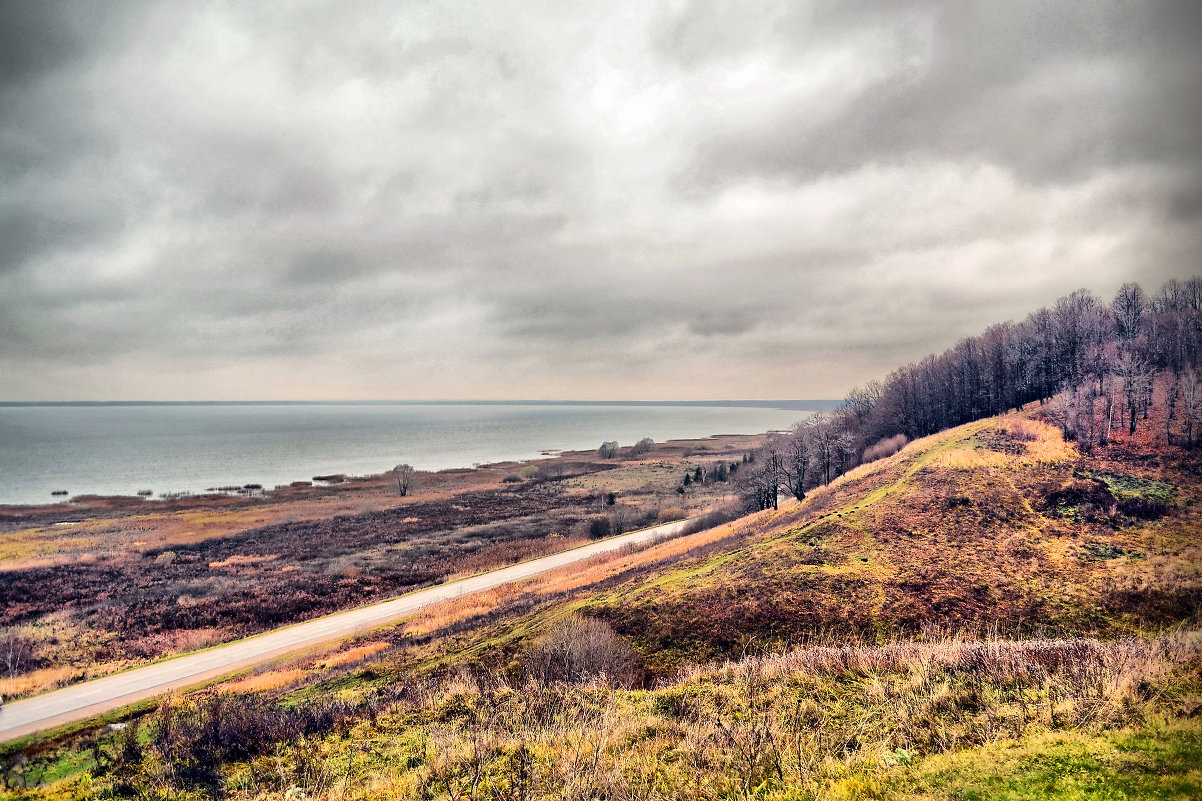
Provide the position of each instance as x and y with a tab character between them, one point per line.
1154	762
1125	487
924	720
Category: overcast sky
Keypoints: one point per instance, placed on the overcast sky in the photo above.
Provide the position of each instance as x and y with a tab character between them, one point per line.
568	200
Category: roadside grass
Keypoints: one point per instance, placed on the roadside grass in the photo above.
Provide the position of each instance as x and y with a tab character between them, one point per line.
36	680
943	717
267	680
350	656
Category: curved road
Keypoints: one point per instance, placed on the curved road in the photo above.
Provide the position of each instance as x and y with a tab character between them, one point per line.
90	698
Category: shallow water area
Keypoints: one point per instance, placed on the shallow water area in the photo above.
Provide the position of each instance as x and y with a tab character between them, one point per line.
126	449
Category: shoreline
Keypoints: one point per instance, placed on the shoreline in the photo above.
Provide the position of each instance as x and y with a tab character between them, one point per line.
65	454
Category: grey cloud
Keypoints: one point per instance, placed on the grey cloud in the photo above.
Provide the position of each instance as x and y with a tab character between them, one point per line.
1047	89
724	322
26	230
37	37
674	198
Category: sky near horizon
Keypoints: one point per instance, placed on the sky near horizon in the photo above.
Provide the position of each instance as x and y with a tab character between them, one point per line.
652	200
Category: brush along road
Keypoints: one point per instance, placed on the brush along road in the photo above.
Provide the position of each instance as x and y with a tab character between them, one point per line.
87	699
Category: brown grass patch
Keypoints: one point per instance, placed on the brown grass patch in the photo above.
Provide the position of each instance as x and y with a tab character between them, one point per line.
238	560
351	655
1045	445
271	680
36	681
970	459
439	615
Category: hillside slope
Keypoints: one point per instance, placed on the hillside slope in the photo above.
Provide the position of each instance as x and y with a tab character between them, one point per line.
994	523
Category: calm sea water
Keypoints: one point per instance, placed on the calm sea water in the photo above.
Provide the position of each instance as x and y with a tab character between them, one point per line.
118	450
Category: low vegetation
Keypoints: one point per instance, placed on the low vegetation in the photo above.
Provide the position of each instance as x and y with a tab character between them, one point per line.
829	719
874	606
126	584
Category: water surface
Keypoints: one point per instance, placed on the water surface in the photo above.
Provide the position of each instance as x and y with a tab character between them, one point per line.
119	450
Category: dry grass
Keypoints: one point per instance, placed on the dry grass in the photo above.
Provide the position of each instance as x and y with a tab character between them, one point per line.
351	655
863	471
437	616
577	576
263	682
36	681
1044	442
970	459
792	725
238	560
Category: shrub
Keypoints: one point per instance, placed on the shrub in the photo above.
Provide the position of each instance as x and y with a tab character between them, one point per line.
16	654
620	519
512	478
885	447
195	739
1143	508
1024	431
642	446
670	514
579	649
600	527
710	520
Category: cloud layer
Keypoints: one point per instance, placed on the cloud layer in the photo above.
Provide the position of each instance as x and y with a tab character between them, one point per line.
680	200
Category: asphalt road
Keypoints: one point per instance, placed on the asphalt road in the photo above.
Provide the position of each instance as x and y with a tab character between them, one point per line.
90	698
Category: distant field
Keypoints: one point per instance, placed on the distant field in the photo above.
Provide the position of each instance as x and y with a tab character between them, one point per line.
102	585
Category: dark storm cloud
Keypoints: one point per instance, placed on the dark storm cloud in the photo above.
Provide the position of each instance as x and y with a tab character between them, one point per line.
38	37
1052	90
641	200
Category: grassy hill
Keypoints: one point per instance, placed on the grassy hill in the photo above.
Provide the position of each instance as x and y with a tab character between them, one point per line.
994	523
987	614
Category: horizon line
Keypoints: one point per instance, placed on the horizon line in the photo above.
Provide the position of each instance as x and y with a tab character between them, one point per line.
786	402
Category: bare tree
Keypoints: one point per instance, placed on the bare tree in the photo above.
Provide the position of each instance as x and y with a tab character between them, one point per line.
642	446
608	449
797	460
760	480
1191	403
824	436
1128	307
16	654
1136	377
1064	406
405	478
